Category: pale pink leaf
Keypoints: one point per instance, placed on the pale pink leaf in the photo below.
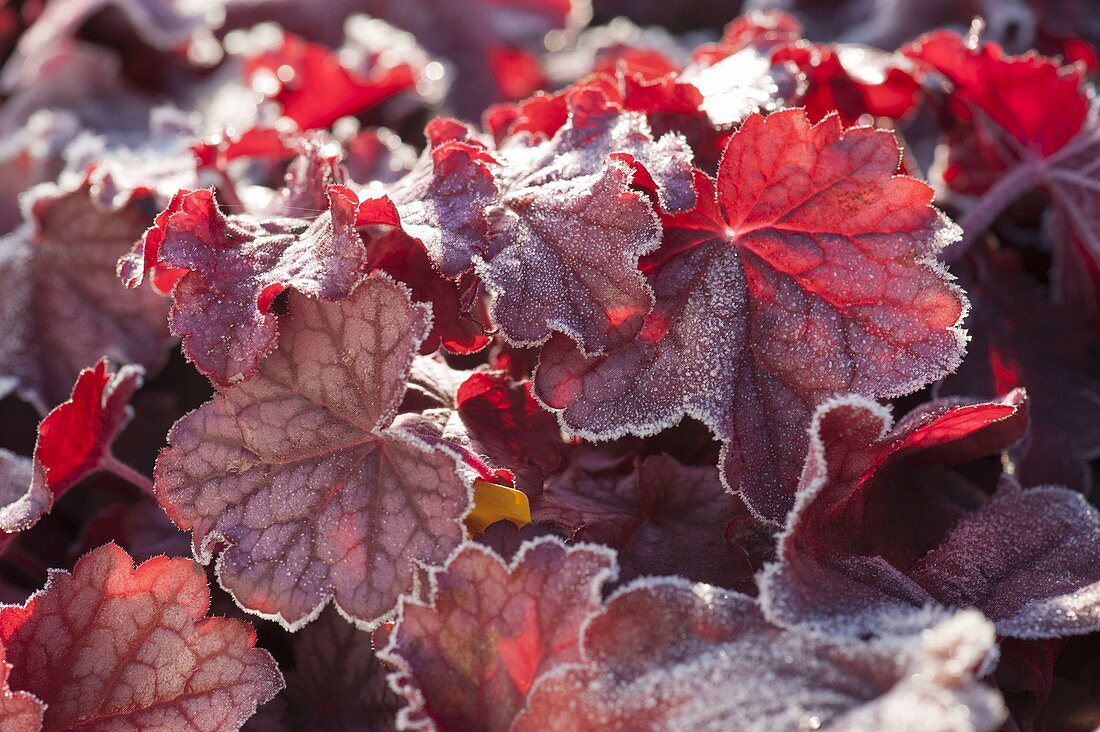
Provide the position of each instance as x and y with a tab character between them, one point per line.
304	474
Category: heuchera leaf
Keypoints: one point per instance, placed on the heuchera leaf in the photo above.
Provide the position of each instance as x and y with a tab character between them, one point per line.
1006	109
667	654
565	239
59	298
337	683
808	270
235	266
1021	339
1014	123
442	200
468	659
303	472
74	440
313	86
882	526
505	423
114	647
662	517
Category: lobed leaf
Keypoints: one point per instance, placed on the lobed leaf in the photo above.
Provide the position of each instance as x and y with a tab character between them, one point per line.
565	239
316	490
60	300
233	267
882	526
807	270
110	645
666	654
468	659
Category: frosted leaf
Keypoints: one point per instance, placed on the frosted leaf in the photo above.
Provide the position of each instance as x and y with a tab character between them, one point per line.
468	659
231	268
666	654
442	200
306	476
110	645
884	523
565	239
1028	559
60	300
662	517
808	270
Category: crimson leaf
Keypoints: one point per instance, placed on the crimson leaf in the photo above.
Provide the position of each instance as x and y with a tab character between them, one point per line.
809	269
74	440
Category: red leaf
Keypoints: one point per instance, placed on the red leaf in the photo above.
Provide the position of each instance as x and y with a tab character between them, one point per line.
504	422
336	683
565	239
1018	123
882	526
1005	109
74	440
809	271
847	79
60	301
315	88
112	645
305	474
468	659
852	81
442	200
517	72
669	654
237	265
662	517
458	326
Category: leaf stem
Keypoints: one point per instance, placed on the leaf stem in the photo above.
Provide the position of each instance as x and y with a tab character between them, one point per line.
111	464
978	218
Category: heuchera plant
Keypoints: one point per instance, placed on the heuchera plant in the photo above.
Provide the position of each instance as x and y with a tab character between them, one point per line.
477	366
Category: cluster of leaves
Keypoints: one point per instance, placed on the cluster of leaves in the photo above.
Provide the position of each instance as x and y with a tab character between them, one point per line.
580	417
